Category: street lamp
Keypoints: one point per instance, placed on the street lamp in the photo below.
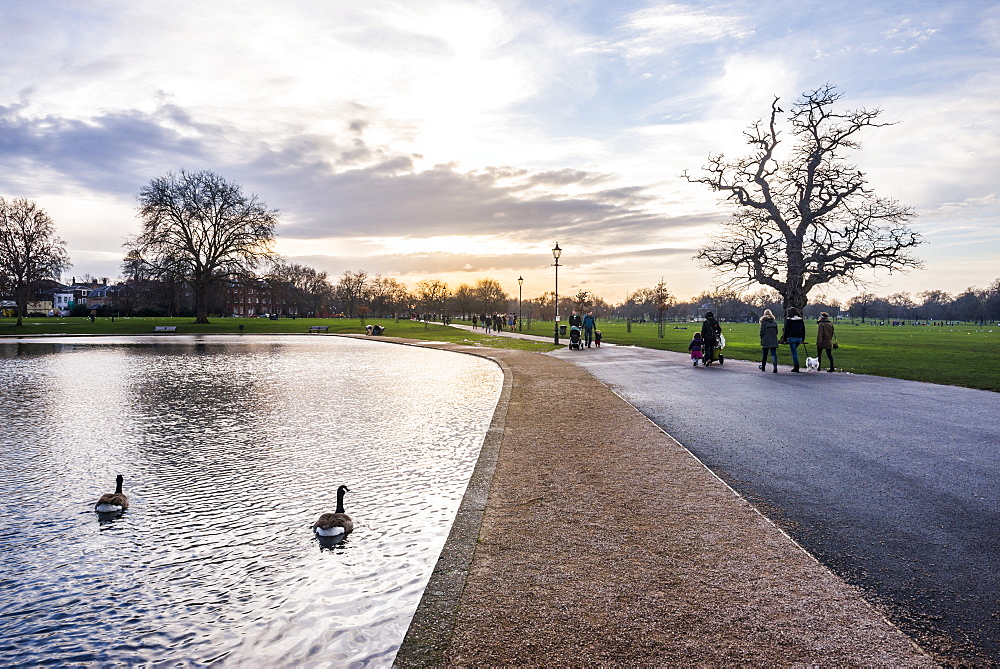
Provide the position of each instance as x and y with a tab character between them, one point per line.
520	324
556	252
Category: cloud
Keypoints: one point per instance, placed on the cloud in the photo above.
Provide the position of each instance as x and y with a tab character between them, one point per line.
327	187
389	199
907	36
463	267
105	153
656	30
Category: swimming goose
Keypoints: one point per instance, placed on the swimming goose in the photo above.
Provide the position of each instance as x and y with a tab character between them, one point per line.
113	502
335	524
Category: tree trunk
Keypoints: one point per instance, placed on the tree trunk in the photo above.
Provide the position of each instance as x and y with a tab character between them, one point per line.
201	302
20	304
794	293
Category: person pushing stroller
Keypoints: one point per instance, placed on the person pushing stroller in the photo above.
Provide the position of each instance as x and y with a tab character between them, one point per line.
710	331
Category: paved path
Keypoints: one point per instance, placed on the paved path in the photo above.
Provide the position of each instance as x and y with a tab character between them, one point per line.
893	484
588	536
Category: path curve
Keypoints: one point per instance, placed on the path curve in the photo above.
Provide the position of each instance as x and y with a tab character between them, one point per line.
602	541
893	484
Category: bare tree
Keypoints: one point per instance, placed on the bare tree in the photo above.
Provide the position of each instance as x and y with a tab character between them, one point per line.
309	289
729	304
380	293
204	228
809	219
764	298
400	298
662	300
861	305
902	305
581	301
465	300
934	304
352	289
432	294
637	304
546	305
30	252
491	296
970	304
993	299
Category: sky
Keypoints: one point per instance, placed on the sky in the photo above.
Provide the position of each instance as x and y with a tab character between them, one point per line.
461	140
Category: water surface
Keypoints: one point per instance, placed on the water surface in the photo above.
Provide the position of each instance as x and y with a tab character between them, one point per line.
230	448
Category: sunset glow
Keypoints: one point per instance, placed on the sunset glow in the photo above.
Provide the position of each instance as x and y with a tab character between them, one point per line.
461	140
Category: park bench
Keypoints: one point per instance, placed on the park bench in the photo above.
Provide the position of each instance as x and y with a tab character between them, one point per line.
319	328
164	328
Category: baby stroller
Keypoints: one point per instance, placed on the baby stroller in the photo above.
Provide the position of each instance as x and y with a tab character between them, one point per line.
719	345
574	339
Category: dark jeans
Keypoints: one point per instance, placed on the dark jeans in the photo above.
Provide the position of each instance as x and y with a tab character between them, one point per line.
588	335
774	356
829	354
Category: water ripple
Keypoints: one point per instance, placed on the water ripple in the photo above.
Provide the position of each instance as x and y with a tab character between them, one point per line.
230	449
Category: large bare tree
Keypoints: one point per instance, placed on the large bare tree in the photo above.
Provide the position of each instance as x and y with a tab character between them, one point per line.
30	252
806	217
203	227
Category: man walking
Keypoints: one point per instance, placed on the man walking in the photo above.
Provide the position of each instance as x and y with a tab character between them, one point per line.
589	325
710	331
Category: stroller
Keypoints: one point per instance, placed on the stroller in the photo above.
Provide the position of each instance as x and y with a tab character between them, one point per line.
575	343
720	344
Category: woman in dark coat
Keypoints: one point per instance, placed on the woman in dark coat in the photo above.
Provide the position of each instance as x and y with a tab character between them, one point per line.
768	340
824	339
710	331
794	334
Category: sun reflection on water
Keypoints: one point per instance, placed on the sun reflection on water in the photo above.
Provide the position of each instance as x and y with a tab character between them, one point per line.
230	448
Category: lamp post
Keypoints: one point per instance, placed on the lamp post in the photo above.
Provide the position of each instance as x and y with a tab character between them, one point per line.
520	283
556	252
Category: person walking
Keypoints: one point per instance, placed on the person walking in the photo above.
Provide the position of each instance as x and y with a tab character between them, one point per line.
589	325
768	340
710	331
824	339
794	334
695	347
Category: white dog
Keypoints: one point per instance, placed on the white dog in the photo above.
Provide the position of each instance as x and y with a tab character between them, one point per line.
812	364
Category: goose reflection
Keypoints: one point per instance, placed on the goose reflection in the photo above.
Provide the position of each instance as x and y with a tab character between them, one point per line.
331	543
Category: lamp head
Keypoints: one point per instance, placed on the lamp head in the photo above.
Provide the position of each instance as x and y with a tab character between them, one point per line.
556	252
520	280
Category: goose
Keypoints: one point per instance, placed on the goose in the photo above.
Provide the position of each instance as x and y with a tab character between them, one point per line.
113	502
337	524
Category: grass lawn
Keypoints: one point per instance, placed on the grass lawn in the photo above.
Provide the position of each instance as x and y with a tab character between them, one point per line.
144	326
960	355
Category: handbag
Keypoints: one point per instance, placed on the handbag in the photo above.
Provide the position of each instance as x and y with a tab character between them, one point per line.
835	344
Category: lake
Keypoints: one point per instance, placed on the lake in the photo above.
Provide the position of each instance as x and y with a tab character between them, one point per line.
230	447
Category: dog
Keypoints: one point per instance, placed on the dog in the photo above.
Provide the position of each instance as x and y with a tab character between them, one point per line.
812	364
